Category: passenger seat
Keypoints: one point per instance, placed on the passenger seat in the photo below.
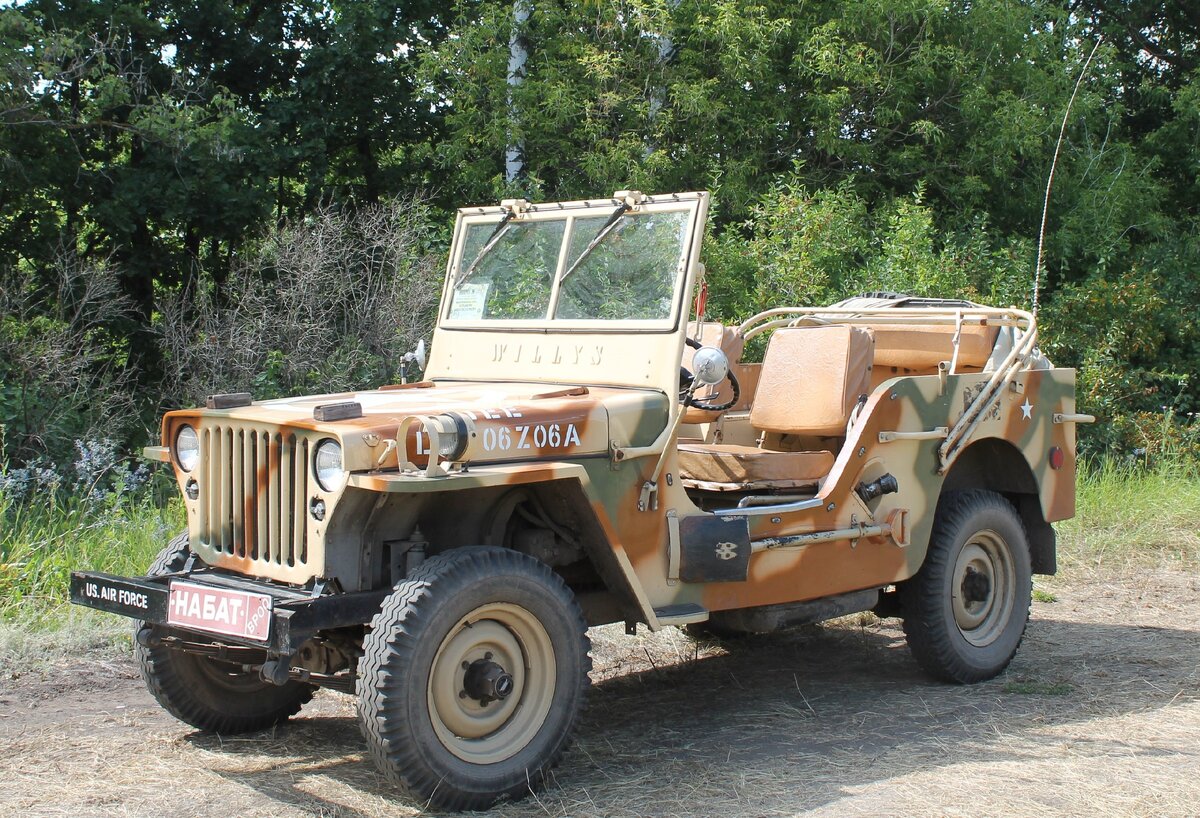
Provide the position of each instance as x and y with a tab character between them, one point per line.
811	379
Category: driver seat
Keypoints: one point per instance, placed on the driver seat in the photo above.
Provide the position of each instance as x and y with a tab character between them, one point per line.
811	378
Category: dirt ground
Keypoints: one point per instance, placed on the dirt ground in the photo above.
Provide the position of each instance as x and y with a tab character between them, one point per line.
1098	715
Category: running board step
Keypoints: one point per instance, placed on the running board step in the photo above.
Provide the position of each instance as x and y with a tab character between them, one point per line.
681	614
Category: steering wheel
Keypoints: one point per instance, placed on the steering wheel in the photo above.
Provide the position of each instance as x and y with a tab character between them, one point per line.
687	386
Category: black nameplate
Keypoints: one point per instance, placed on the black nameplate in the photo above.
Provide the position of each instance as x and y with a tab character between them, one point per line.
231	400
338	411
137	599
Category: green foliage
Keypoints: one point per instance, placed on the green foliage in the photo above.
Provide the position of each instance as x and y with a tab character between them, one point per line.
63	371
630	273
1133	513
1136	343
102	512
41	544
326	305
821	246
850	147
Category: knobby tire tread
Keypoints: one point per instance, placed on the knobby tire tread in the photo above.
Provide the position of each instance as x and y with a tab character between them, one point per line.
159	669
923	602
395	635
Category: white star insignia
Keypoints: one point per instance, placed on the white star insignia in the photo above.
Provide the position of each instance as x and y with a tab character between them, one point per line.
1027	410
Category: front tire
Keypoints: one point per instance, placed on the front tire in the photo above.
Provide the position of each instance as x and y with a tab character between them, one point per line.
472	677
215	696
966	610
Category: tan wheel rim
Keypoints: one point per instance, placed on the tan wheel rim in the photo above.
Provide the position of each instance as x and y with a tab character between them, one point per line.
492	683
983	590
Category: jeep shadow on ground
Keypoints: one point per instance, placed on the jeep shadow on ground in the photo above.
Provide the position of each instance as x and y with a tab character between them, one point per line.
804	715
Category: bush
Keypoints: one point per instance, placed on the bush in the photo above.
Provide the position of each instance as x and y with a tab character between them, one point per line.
804	248
326	305
63	373
99	513
1135	342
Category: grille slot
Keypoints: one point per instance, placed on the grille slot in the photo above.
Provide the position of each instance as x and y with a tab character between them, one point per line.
254	486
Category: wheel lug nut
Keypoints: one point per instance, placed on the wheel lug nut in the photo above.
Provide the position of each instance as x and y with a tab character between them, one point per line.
487	657
462	694
466	665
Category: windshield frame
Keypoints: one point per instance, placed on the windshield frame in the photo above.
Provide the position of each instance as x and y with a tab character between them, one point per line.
570	212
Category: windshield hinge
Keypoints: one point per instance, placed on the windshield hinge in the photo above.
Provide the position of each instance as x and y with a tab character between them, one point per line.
648	499
515	206
633	198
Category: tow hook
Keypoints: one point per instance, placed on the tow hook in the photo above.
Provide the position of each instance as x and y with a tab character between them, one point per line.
276	671
148	637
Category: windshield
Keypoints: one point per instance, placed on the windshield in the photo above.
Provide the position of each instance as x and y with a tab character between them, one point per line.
539	269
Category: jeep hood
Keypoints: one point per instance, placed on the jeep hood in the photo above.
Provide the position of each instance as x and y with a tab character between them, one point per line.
509	421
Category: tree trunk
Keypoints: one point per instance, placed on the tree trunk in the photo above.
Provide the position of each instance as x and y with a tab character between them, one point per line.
518	55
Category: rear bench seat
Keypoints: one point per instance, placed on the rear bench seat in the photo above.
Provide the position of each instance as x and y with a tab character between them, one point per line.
917	350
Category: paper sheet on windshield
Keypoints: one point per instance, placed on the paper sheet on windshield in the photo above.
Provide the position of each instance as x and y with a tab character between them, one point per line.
469	300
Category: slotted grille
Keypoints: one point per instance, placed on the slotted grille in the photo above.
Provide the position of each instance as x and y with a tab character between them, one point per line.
253	490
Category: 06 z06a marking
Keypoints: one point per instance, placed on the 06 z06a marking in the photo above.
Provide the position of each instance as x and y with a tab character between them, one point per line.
536	436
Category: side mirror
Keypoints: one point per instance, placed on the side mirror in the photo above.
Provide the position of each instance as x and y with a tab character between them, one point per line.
417	356
710	365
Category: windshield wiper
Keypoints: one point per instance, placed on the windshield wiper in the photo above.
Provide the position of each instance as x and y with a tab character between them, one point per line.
599	237
492	240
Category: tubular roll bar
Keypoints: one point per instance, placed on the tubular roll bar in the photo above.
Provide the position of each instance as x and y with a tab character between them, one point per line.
1024	324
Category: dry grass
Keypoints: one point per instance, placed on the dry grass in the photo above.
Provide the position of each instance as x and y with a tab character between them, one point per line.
1098	715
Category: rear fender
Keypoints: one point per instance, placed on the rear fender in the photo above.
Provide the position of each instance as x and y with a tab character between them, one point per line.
997	465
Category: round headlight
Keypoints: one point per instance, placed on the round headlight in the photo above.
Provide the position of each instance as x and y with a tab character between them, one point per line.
452	436
328	465
187	448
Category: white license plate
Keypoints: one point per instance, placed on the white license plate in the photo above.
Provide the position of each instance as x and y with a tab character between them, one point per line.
220	610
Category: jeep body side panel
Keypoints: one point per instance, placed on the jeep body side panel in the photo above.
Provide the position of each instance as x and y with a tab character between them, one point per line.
1023	417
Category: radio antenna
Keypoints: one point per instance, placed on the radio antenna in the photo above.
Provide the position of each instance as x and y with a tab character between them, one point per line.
1037	270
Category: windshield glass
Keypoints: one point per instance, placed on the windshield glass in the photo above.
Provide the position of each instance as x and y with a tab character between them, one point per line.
512	280
538	268
631	272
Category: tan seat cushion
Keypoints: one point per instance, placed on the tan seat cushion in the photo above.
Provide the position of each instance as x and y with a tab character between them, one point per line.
811	378
730	468
712	334
924	347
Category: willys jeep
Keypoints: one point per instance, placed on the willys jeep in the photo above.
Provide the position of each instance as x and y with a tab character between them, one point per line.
586	449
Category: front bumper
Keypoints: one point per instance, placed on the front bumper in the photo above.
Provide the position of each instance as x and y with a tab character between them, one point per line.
296	615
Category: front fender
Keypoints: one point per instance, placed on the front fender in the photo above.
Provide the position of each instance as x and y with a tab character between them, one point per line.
512	474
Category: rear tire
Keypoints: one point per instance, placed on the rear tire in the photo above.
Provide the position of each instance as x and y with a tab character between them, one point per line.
472	677
215	696
966	610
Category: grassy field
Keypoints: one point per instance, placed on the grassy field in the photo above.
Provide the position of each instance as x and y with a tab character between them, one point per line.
41	544
1133	517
